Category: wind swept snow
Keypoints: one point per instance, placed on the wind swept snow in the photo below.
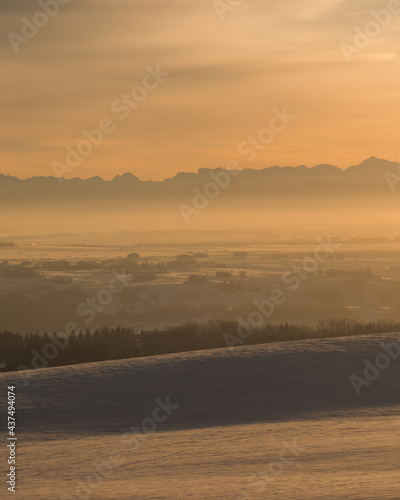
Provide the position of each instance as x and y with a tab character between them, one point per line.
272	421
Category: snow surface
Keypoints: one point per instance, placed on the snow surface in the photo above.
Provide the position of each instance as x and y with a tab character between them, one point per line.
238	411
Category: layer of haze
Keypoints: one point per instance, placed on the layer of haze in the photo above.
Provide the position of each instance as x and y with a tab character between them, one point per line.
225	79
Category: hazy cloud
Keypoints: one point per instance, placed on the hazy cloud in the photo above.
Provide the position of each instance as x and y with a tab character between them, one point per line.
225	78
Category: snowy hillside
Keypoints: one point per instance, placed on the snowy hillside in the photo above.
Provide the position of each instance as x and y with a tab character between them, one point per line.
214	425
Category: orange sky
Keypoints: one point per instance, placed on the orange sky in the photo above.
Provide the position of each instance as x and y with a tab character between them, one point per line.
225	79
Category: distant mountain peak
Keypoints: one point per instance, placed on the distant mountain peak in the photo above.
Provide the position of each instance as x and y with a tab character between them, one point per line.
372	160
127	177
372	164
370	168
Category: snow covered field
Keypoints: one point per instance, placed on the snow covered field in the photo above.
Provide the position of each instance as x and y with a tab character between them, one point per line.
279	421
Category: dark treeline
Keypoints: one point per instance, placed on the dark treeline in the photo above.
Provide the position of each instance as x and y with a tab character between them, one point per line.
29	351
40	351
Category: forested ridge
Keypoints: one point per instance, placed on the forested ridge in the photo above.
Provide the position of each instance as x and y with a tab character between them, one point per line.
31	351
